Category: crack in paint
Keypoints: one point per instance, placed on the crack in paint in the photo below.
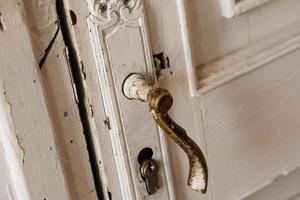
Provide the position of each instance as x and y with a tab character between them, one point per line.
2	24
67	57
19	142
49	47
12	147
9	105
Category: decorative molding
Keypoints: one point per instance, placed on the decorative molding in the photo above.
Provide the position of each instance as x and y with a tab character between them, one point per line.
103	10
113	25
244	61
232	8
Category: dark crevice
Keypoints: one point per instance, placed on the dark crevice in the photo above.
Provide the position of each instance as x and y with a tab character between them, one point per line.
2	27
49	47
78	80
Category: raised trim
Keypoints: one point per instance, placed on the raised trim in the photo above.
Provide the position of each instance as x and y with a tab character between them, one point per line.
237	64
185	37
108	18
232	8
103	24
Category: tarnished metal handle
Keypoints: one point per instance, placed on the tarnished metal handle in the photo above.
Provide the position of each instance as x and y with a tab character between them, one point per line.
160	101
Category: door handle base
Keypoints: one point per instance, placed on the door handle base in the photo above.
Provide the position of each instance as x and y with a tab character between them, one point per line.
160	101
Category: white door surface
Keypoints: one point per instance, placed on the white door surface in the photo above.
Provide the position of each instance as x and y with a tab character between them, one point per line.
230	66
232	69
43	152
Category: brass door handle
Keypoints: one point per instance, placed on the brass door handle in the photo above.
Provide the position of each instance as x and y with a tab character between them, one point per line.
160	101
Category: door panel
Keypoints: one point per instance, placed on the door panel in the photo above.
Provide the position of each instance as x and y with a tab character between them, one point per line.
213	36
276	74
251	128
233	84
35	171
119	45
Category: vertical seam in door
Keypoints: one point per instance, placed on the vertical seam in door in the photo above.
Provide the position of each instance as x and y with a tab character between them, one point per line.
249	29
203	119
185	37
83	110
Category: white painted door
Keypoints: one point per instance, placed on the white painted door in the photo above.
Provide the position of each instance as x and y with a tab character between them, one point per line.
43	151
232	69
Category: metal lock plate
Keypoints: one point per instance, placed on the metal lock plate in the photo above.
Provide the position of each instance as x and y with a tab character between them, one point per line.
149	172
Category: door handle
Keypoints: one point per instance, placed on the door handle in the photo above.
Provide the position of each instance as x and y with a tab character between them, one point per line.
160	101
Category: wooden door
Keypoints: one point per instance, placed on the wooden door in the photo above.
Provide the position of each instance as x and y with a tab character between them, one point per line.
232	68
43	151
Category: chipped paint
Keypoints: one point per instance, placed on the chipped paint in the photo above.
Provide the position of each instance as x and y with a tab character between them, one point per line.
82	70
66	54
13	152
2	24
107	123
135	87
19	142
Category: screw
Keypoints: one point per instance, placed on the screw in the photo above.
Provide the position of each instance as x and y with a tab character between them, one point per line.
103	7
126	1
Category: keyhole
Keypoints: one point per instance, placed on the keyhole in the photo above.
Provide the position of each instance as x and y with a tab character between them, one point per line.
145	154
148	170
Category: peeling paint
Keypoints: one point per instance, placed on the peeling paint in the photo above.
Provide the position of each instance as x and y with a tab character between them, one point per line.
66	54
107	123
2	24
91	110
19	141
73	17
13	151
82	69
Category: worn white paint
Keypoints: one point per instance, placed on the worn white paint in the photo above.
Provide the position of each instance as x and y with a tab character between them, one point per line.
62	104
13	152
277	61
247	124
251	124
32	127
136	87
42	139
212	37
246	60
108	33
106	55
59	87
